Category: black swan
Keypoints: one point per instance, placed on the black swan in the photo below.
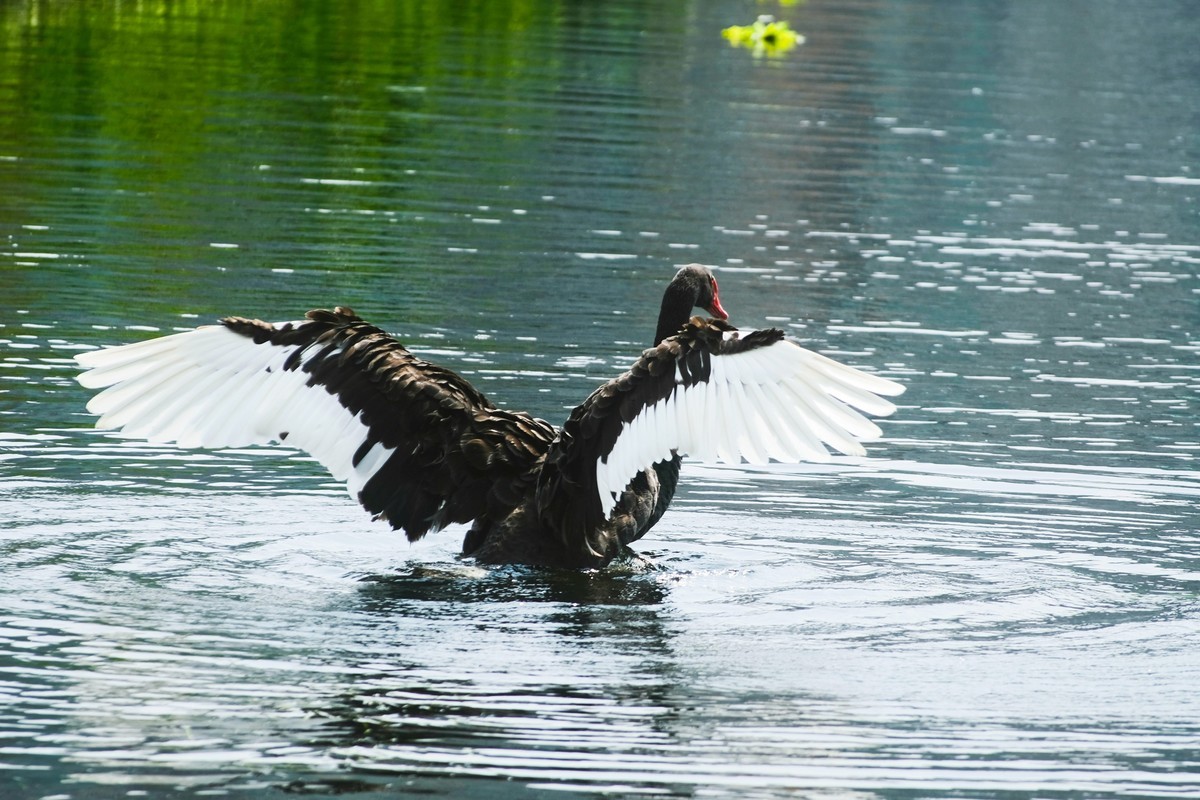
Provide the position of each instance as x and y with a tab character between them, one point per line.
421	447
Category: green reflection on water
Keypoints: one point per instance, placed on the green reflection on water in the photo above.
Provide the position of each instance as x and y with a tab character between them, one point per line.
160	145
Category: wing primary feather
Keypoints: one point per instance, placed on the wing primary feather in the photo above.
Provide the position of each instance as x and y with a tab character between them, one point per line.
751	442
726	435
268	411
126	372
685	408
661	436
833	410
602	488
119	394
711	424
227	424
375	458
679	417
857	388
109	359
622	464
697	395
796	426
843	373
821	426
183	383
649	421
166	422
768	419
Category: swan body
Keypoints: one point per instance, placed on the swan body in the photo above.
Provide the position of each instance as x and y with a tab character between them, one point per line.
418	446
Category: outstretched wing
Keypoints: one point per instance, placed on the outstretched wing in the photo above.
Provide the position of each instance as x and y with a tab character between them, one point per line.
415	443
711	392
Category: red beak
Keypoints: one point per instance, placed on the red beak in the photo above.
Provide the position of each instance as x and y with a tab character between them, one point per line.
715	309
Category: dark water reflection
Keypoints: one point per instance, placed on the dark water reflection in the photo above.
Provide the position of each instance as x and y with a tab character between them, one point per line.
995	203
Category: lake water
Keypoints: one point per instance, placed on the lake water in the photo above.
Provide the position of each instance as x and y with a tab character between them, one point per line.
995	203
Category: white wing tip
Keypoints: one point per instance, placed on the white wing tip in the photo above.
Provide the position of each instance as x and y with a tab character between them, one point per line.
888	387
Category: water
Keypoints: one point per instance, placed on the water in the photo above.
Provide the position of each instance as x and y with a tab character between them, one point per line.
995	203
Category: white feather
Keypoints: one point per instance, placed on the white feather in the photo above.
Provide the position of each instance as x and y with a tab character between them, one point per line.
735	423
626	458
718	411
767	422
97	362
212	387
116	397
778	401
375	458
812	407
698	443
712	427
836	414
795	427
851	376
648	441
168	408
602	487
682	425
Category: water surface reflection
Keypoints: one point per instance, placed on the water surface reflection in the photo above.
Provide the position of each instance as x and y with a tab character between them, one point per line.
994	205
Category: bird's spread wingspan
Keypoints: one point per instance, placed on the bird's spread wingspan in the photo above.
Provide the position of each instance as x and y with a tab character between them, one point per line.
415	443
714	393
